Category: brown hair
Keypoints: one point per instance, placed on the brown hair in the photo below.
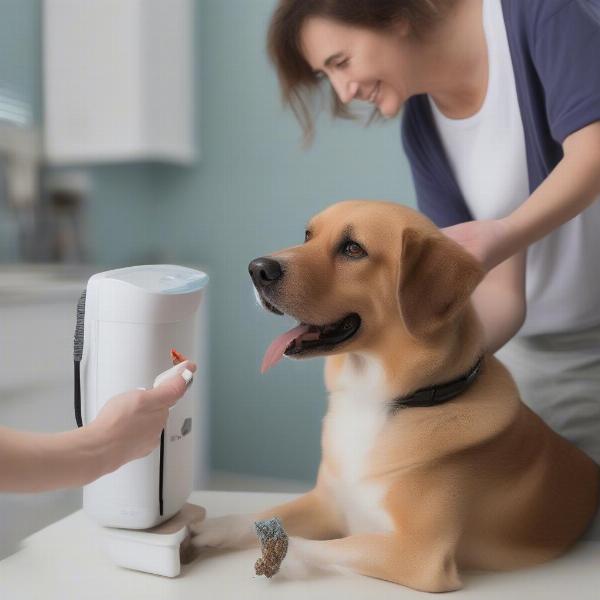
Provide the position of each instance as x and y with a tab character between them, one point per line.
297	80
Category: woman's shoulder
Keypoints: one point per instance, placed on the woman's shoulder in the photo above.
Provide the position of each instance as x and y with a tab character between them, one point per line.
533	14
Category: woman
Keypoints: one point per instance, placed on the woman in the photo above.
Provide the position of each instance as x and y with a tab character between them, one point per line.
127	427
501	126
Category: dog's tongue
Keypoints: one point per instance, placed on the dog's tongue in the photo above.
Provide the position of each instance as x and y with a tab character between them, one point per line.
275	351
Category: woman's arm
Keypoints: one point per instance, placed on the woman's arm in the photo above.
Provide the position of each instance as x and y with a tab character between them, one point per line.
38	462
501	245
127	427
499	301
570	188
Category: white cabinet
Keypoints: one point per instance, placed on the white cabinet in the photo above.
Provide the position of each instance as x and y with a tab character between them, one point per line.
118	80
37	316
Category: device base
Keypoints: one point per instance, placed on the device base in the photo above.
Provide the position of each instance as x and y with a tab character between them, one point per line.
154	550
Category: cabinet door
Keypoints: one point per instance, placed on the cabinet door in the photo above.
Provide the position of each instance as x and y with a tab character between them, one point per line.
36	394
119	80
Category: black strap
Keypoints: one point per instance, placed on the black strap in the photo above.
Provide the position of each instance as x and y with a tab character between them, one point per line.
161	473
77	380
438	394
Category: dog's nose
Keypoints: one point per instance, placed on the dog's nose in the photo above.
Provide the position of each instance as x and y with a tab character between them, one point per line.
265	271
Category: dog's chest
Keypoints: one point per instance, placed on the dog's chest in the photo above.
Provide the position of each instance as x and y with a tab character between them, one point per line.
354	424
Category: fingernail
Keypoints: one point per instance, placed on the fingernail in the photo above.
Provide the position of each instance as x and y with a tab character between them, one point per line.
188	377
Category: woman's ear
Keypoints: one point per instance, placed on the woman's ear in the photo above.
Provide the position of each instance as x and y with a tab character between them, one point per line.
403	28
435	280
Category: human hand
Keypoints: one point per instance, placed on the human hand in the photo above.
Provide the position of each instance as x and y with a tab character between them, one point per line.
130	424
489	241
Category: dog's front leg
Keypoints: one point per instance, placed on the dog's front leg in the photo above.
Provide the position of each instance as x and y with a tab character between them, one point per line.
311	516
389	556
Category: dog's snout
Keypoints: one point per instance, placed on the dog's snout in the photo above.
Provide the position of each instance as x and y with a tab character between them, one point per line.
265	271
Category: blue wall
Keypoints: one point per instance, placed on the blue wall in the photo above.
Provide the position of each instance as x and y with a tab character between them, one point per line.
20	89
20	53
252	192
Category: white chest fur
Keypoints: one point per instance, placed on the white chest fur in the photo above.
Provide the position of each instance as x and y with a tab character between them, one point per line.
356	417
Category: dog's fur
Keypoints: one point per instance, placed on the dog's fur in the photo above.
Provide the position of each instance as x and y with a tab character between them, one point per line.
414	496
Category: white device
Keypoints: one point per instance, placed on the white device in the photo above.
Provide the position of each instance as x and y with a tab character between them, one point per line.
128	321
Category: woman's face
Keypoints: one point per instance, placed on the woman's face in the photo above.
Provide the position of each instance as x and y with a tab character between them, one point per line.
361	64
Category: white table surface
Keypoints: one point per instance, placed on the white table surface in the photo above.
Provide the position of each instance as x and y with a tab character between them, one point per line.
66	561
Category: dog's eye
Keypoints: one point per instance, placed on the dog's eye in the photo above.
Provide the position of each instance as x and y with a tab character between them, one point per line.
307	235
353	250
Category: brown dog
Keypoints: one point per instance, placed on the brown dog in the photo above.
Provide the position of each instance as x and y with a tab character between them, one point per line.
412	487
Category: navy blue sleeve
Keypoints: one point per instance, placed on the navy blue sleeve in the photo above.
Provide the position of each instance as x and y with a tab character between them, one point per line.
566	54
438	194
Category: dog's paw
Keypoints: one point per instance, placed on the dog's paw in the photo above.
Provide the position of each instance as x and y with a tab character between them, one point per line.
299	563
231	531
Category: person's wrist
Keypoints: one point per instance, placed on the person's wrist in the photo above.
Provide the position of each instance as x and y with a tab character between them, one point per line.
100	448
512	235
509	242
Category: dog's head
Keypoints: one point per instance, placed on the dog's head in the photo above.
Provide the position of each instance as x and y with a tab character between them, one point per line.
366	270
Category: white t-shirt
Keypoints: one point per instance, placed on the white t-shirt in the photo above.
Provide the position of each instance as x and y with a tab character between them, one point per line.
487	155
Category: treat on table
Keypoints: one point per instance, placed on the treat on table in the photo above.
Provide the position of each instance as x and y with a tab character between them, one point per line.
274	543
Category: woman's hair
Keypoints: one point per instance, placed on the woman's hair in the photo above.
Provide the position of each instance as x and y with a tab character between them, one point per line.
297	80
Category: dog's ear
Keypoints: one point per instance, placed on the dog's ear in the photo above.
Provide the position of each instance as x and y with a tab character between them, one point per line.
436	278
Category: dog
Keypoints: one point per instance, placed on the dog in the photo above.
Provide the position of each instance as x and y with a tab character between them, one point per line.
431	464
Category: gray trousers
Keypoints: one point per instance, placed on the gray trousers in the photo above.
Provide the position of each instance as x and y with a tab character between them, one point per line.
558	376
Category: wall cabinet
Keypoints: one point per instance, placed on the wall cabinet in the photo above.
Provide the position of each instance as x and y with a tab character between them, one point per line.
118	81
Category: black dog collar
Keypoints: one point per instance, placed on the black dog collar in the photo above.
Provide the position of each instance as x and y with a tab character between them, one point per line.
438	394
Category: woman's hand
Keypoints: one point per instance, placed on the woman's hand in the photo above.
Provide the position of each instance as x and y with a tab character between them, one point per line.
130	424
489	241
127	427
499	299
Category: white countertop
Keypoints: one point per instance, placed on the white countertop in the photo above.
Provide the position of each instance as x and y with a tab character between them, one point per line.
65	561
42	283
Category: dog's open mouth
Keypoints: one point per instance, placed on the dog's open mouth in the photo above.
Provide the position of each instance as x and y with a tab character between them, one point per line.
306	338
